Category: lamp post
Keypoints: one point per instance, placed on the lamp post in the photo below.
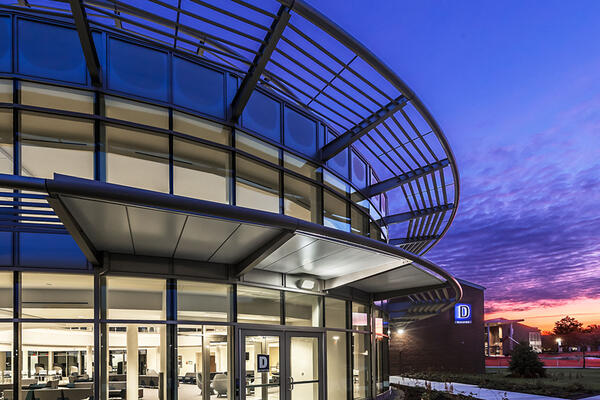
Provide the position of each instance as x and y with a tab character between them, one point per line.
559	343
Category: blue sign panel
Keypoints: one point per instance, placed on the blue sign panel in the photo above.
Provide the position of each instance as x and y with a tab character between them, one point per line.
462	313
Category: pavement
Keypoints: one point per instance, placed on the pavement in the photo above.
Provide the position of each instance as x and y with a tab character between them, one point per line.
475	391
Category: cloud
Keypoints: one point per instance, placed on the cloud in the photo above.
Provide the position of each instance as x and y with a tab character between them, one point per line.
528	225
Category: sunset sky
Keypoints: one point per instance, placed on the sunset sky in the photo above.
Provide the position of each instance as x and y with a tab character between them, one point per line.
516	88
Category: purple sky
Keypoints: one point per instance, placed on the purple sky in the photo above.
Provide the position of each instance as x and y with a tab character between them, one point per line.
516	88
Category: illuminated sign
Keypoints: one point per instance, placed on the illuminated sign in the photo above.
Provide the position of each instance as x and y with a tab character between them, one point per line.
359	319
462	313
379	326
262	363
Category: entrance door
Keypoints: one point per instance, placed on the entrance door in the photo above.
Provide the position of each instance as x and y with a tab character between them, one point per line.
261	365
304	362
281	366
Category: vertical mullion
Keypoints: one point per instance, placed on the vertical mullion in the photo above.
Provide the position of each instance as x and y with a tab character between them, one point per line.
349	356
99	139
282	307
100	338
232	182
170	152
171	341
17	360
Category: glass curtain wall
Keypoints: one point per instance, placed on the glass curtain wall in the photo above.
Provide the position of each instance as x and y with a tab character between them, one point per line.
158	148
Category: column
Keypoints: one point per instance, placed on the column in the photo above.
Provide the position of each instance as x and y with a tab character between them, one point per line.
2	365
132	362
162	363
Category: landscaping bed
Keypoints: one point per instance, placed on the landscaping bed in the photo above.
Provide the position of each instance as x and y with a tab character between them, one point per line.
563	383
401	392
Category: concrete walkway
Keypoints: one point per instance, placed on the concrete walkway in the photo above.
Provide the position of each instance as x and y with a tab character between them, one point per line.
475	391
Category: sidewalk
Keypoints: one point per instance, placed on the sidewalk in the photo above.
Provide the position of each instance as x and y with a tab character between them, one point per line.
476	391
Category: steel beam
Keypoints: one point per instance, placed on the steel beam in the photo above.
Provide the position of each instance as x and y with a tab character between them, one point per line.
418	239
341	142
392	183
262	252
87	42
260	62
409	215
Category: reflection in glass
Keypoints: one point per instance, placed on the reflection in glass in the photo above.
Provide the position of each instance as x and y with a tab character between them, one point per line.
135	298
137	159
137	361
52	144
360	317
53	296
6	91
335	183
6	141
335	313
201	128
202	301
203	357
200	171
256	147
6	294
258	305
335	213
137	112
257	186
360	373
302	309
300	166
58	354
301	199
264	385
60	98
304	368
360	222
336	366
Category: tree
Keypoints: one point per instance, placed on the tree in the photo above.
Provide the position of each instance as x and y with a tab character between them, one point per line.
567	325
525	363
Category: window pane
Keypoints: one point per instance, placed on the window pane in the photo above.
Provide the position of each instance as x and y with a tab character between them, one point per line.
360	374
60	98
200	171
50	250
258	305
301	199
302	309
137	159
335	214
336	366
53	296
360	222
300	166
6	142
262	114
359	171
201	128
256	147
335	313
135	298
61	353
6	294
257	186
375	232
198	88
6	89
6	364
203	359
300	132
335	183
201	301
137	112
52	144
137	360
360	317
6	43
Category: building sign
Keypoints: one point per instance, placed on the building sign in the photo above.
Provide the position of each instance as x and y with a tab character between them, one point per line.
262	363
359	319
379	326
462	313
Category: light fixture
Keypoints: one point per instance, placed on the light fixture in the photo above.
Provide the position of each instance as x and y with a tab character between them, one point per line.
400	331
336	338
306	284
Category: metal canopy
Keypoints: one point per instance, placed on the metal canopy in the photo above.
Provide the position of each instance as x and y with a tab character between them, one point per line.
110	218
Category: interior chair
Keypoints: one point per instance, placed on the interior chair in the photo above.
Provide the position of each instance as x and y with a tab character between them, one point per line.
219	384
199	381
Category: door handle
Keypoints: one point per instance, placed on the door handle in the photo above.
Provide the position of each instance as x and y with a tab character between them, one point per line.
291	384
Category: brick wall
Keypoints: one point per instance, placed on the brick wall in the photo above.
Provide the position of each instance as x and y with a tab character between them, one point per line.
438	344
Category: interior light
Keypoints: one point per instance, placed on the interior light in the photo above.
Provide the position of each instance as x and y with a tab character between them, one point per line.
336	338
400	331
306	284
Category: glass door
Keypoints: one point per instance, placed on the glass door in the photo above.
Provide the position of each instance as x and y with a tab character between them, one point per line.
261	365
304	366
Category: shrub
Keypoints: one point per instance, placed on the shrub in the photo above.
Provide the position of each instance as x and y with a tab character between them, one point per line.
525	363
